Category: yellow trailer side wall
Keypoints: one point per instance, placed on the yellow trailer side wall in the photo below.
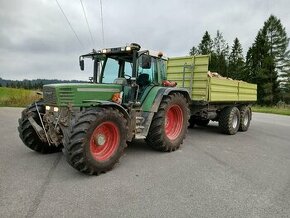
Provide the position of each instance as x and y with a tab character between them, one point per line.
196	77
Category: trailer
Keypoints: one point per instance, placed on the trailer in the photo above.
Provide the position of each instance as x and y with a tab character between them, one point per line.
213	97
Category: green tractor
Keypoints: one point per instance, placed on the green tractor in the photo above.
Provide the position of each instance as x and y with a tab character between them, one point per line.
127	98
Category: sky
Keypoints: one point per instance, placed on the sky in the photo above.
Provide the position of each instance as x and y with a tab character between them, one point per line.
37	42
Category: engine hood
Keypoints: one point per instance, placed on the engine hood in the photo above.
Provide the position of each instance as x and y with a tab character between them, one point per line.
78	94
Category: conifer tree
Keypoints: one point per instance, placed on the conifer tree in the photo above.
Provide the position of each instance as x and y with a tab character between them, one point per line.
205	46
236	61
219	55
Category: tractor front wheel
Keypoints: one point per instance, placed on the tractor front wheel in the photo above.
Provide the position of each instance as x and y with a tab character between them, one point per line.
27	133
169	124
96	141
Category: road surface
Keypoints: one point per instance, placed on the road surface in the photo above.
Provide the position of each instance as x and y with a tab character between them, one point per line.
212	175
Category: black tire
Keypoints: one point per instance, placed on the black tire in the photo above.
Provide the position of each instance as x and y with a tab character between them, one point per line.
245	118
161	137
28	134
81	145
229	120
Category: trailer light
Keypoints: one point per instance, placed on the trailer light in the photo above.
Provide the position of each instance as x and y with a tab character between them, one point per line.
47	108
128	48
55	109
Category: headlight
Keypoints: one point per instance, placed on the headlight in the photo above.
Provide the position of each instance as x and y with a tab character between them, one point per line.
128	48
104	50
55	109
47	108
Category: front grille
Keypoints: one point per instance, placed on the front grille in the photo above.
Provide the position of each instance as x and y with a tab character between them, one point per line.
49	95
66	95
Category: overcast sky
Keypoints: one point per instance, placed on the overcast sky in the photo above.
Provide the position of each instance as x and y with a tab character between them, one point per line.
37	42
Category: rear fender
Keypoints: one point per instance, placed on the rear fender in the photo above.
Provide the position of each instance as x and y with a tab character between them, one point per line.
151	104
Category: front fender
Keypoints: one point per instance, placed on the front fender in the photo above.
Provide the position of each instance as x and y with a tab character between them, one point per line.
99	103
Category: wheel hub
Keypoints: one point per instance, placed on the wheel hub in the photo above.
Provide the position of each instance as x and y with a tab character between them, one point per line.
100	139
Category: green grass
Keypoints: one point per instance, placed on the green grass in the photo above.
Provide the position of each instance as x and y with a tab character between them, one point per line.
272	110
11	97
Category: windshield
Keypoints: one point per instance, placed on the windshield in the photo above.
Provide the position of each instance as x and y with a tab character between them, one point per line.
115	68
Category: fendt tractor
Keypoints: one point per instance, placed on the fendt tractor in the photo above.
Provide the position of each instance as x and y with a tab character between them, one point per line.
131	97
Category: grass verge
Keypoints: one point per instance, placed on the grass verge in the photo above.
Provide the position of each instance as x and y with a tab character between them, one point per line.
11	97
271	110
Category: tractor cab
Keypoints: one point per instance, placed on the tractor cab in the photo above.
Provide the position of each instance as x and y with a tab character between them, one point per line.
137	71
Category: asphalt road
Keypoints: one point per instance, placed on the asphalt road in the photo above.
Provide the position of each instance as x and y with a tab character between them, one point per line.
212	175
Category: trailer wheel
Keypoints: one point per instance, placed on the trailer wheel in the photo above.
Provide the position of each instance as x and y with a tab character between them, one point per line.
96	140
245	118
169	124
229	120
27	132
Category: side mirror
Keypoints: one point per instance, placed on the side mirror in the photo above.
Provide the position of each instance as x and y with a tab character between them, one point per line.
146	61
82	64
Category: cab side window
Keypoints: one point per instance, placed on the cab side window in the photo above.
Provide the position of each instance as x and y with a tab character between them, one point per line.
152	72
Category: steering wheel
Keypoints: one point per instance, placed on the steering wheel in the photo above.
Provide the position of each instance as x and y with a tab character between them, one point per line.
127	76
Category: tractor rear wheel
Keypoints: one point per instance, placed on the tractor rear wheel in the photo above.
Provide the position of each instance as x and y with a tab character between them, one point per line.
245	118
229	120
169	124
27	133
96	140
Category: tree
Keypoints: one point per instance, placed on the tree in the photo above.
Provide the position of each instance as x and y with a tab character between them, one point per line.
236	61
205	46
267	61
261	66
219	55
278	43
193	51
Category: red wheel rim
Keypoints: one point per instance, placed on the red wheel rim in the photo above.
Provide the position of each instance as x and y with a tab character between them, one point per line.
173	122
104	141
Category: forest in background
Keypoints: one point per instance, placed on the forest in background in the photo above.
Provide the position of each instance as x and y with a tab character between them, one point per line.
35	84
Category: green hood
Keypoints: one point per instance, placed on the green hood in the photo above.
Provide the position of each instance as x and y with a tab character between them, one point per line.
78	94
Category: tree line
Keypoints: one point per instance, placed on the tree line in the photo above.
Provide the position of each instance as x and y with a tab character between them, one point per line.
267	61
35	84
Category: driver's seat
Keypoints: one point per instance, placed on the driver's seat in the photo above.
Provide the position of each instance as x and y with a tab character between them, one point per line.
143	80
121	81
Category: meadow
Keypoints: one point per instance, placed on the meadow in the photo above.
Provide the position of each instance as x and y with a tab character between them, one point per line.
11	97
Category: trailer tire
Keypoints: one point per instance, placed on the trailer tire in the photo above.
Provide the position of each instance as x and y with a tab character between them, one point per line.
96	140
28	134
229	120
245	121
169	124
